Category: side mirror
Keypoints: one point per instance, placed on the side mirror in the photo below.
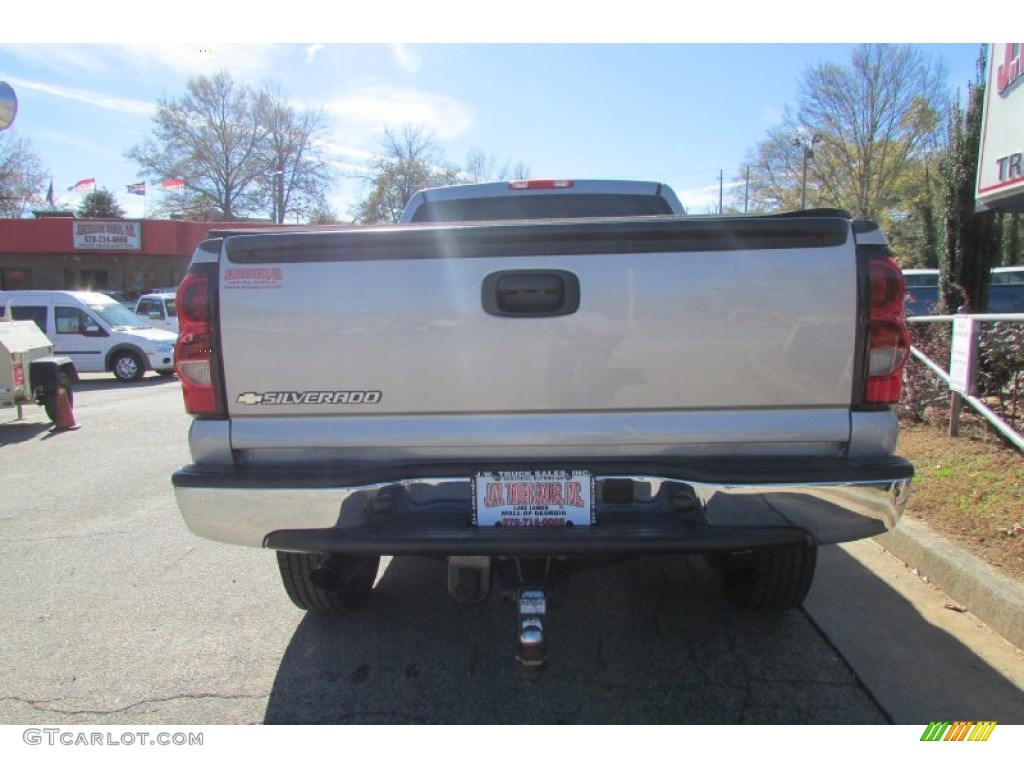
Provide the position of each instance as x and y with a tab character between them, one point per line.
155	316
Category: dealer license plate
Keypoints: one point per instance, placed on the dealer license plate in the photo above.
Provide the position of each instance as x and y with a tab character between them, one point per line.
533	498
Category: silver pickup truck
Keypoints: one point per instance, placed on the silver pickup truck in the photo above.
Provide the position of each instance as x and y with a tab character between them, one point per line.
526	378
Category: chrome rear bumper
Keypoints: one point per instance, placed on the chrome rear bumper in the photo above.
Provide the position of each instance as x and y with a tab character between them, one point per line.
670	508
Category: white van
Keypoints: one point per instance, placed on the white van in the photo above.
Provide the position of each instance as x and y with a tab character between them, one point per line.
96	332
159	309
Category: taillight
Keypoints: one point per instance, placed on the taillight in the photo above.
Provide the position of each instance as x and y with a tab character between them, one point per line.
888	341
194	355
540	184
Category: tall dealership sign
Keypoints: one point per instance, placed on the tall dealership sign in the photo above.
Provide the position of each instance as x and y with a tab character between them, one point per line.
1001	160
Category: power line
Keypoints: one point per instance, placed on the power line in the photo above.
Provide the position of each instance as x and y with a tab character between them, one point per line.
712	172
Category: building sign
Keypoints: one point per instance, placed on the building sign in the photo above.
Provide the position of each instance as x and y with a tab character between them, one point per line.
1001	161
107	235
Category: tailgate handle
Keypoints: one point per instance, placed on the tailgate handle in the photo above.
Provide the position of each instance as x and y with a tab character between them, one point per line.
531	293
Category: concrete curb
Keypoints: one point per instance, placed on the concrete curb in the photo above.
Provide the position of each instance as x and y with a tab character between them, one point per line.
994	598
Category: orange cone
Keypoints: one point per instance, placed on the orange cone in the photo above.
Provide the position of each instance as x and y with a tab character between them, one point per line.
65	416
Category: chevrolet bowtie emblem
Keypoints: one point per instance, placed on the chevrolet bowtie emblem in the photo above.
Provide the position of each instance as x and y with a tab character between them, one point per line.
250	398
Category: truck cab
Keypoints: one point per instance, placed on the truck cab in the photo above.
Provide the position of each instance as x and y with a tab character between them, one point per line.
159	310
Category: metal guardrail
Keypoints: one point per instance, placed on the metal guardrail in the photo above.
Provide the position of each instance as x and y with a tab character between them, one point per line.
1004	318
958	397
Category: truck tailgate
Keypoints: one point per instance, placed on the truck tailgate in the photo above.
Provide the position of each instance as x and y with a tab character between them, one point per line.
679	323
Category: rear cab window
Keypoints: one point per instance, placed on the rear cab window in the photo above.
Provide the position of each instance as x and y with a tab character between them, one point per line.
562	206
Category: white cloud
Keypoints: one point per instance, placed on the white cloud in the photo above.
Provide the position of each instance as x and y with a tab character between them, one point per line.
74	61
350	162
77	142
313	50
102	100
374	107
705	199
198	58
407	58
344	151
98	61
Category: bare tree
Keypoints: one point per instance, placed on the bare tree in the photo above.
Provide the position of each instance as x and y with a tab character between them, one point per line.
211	138
410	160
775	172
481	166
520	171
296	176
21	176
859	128
874	118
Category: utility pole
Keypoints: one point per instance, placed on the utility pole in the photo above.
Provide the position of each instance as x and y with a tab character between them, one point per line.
808	152
746	188
720	187
278	189
279	195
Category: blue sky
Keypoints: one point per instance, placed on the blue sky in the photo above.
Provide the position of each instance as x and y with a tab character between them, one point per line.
677	112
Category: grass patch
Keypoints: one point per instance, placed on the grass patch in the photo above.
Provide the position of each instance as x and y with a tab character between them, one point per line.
970	490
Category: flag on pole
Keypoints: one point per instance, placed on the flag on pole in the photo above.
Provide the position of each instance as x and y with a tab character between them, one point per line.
49	196
82	185
173	183
137	189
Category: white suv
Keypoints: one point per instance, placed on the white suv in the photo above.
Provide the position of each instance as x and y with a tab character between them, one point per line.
159	309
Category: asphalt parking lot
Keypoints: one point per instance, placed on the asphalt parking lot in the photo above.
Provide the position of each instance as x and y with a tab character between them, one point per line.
116	613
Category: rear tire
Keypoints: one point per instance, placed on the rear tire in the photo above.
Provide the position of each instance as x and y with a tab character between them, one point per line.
771	579
295	569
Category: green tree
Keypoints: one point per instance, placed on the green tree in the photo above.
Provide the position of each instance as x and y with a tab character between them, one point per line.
913	228
22	177
971	244
214	138
100	204
410	159
324	215
1013	240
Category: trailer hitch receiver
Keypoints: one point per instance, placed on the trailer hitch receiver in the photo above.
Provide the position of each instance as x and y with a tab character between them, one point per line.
532	652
